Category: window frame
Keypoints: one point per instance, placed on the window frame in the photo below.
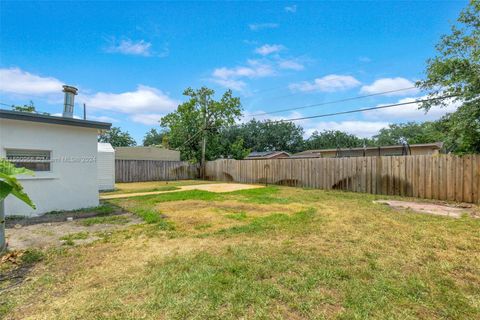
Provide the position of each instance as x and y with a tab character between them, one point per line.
26	150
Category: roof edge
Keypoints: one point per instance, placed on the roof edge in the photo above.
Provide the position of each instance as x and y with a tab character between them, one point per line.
439	145
35	117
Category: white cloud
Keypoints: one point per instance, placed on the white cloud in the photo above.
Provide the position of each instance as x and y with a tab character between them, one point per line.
230	83
90	117
267	49
144	99
58	114
390	84
260	116
101	118
290	64
411	112
230	77
291	9
364	129
16	81
329	83
148	119
130	47
143	103
254	69
262	26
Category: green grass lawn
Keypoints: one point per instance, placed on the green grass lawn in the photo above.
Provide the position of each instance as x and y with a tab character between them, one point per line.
271	253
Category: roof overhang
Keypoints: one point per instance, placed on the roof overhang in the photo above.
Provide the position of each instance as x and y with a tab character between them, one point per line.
41	118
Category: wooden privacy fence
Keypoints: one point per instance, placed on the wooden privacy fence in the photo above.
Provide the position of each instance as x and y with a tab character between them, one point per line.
150	170
442	177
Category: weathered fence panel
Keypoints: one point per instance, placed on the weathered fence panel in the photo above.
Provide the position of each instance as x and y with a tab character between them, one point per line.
441	177
153	170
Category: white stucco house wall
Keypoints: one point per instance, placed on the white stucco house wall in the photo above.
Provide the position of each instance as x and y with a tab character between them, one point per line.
61	150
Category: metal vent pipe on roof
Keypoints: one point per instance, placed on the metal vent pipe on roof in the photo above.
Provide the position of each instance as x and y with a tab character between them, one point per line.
69	100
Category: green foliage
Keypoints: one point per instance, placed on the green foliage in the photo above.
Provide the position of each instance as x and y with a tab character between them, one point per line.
75	236
155	138
463	129
117	138
30	108
456	71
32	256
25	108
201	116
10	185
264	136
277	222
237	150
411	132
104	220
331	139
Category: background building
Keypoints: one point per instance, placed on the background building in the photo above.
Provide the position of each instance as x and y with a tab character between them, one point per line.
146	153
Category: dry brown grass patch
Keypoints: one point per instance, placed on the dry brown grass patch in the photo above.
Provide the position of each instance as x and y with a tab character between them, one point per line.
190	214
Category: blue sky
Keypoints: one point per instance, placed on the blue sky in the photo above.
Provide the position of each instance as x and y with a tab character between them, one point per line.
132	60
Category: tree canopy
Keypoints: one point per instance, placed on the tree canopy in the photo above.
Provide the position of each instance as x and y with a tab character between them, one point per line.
410	132
330	139
117	138
455	70
201	117
30	108
155	137
266	136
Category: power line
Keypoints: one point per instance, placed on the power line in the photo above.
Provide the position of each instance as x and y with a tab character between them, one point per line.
364	109
337	113
331	102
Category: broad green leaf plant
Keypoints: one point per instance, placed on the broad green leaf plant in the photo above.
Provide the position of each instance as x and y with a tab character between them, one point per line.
9	185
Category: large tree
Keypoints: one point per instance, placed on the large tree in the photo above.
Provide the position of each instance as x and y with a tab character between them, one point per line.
410	132
266	136
194	128
330	139
455	70
154	137
117	138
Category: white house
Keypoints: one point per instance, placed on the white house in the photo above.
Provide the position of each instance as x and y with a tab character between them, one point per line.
106	167
62	151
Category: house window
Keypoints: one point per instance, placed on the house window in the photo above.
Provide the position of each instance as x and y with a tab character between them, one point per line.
35	160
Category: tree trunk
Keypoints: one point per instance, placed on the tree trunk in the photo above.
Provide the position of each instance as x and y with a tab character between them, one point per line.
3	243
202	162
204	144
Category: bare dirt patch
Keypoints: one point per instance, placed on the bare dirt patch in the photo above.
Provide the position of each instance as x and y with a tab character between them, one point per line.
44	235
213	187
431	208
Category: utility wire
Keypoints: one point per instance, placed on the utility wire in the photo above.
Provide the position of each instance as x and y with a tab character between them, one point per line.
364	109
331	102
339	113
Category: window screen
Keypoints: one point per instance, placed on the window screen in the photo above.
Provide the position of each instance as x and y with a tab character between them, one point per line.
35	160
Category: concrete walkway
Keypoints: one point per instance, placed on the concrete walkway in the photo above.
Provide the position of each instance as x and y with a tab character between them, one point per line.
214	187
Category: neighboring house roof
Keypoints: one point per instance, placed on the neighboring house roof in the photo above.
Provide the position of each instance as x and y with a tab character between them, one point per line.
266	154
318	152
35	117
